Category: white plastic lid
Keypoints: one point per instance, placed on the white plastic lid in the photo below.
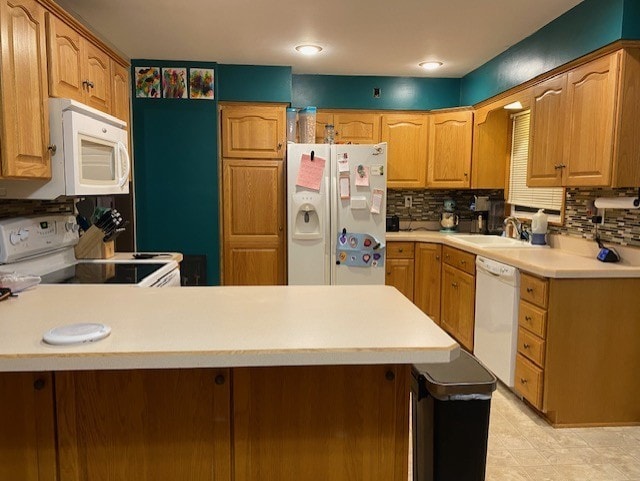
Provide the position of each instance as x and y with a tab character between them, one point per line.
76	333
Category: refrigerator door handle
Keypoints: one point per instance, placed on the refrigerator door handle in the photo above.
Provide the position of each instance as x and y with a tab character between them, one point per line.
327	230
333	214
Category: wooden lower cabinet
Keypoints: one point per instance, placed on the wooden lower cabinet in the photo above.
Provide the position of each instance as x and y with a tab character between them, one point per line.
399	268
318	423
27	437
458	303
426	290
144	425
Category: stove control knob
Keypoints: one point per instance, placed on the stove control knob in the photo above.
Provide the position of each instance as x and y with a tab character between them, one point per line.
71	227
14	238
24	234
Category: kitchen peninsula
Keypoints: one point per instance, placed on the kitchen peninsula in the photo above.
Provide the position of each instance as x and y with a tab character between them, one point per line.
212	383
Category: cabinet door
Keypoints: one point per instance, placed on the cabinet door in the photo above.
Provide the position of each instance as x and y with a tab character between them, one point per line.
448	305
427	279
357	128
97	72
253	132
321	423
407	149
24	94
27	438
144	425
322	119
253	220
547	133
491	148
65	60
458	305
399	274
449	152
120	91
591	103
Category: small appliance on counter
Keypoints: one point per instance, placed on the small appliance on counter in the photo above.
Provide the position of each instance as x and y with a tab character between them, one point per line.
480	222
539	223
449	218
393	223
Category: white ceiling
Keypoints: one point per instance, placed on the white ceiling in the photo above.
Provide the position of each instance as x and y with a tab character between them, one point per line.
360	37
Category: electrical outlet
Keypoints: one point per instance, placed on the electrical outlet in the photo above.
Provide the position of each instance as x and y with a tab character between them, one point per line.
408	201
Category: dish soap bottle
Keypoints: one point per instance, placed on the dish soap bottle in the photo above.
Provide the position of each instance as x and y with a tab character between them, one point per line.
539	223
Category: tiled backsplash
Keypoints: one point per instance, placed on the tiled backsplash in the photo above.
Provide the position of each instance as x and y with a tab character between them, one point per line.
16	208
620	226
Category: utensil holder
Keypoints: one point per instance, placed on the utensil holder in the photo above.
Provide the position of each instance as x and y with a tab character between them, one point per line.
91	246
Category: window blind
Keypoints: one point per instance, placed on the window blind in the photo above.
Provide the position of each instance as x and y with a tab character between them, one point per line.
519	194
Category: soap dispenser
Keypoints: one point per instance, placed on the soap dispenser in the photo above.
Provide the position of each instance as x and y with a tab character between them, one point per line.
539	223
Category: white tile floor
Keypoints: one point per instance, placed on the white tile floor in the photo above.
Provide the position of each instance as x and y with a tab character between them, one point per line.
523	447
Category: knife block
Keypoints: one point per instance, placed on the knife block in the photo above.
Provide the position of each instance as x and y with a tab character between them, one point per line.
90	245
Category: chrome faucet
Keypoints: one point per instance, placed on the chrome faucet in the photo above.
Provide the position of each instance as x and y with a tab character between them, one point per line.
517	225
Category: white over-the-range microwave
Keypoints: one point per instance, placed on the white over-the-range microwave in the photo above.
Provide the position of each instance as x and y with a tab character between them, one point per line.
89	155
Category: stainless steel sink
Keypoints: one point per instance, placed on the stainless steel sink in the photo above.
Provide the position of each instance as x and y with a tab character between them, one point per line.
491	241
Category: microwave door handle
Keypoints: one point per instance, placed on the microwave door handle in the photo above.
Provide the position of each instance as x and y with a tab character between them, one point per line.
125	161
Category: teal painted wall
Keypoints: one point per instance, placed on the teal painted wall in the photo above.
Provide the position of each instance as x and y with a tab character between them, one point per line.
176	173
254	83
356	92
586	27
631	20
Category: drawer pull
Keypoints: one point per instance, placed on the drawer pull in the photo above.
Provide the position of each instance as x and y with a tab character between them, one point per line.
446	256
437	258
401	250
526	346
523	380
529	290
454	284
527	318
463	262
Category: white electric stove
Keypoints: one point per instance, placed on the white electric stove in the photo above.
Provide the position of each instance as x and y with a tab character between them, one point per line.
44	246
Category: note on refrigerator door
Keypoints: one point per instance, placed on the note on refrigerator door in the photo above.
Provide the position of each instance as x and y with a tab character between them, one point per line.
343	166
310	172
376	200
345	187
362	176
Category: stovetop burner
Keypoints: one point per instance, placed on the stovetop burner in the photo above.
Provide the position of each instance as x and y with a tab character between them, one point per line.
101	273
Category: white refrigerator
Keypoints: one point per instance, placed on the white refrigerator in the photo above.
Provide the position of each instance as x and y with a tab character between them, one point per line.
336	214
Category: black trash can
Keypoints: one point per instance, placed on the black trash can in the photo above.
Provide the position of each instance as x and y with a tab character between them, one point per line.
451	420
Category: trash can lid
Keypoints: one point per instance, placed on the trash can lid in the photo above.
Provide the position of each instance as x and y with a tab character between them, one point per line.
462	376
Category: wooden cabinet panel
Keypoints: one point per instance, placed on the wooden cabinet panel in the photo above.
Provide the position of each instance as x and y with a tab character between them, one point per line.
458	305
98	74
319	423
253	220
399	273
534	290
120	92
406	135
531	346
253	131
357	127
27	438
24	94
462	260
144	425
491	148
449	152
65	60
426	293
591	103
448	314
400	250
528	381
547	135
532	318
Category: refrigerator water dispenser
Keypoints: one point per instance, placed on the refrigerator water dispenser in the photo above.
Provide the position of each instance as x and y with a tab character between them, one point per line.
306	222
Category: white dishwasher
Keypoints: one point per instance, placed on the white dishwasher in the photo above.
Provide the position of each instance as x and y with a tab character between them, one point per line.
496	322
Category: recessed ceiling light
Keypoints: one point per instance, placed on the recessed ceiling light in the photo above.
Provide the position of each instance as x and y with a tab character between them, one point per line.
430	65
308	49
513	106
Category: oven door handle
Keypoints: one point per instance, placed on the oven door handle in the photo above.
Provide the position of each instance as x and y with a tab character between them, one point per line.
125	162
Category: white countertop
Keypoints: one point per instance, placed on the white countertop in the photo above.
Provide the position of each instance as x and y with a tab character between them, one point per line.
220	327
565	261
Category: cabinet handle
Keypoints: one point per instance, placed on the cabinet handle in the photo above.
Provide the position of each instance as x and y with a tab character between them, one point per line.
280	228
279	145
529	290
39	384
85	84
219	379
466	174
557	166
527	318
437	258
463	262
454	284
446	256
90	84
52	148
389	375
523	380
526	346
400	250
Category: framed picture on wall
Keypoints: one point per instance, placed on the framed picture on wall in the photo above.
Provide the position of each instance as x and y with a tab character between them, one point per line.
174	83
201	83
147	82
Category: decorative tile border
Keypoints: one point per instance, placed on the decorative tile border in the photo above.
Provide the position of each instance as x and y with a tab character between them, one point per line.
18	208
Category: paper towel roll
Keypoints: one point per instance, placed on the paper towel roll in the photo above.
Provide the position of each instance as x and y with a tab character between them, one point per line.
617	203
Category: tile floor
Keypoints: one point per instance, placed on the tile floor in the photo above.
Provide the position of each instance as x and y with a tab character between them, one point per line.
523	447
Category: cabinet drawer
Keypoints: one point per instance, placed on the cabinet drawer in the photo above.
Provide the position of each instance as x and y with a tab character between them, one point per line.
534	290
532	318
531	346
400	250
460	259
528	381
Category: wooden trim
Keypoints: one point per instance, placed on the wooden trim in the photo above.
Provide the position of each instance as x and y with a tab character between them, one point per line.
76	24
235	103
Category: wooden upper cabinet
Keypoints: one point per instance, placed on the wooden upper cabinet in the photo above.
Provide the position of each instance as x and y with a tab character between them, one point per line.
357	127
449	150
24	108
253	131
78	69
491	148
406	135
120	91
547	133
